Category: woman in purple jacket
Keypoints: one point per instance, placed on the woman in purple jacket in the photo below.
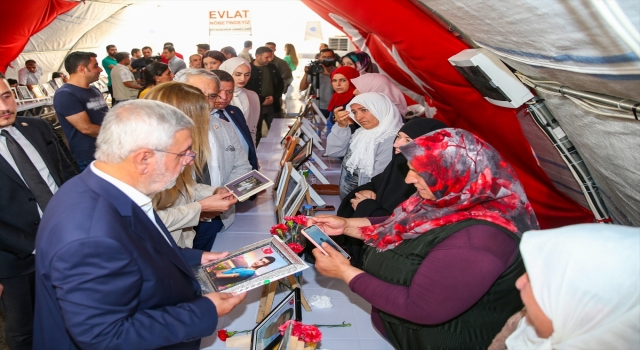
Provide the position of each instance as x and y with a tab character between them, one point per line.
440	271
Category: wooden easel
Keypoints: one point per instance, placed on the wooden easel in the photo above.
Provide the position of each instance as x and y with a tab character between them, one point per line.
268	294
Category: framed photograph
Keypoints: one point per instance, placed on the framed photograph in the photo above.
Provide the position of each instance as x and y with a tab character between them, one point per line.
53	85
37	91
14	92
48	89
294	200
248	184
249	267
304	153
293	130
283	184
24	93
59	81
266	335
306	110
288	150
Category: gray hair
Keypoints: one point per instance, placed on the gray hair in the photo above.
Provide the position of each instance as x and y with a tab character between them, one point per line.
132	125
183	75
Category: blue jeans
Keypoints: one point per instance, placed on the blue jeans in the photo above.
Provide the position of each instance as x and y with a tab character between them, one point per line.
206	233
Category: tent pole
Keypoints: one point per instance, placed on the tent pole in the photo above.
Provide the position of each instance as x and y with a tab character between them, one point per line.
620	103
550	126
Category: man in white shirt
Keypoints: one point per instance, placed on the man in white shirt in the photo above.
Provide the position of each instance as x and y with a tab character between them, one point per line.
109	274
30	74
32	168
124	83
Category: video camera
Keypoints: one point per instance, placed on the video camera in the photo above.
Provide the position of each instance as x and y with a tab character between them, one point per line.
316	67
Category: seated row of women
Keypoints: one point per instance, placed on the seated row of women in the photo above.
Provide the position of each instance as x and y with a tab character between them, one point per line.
443	270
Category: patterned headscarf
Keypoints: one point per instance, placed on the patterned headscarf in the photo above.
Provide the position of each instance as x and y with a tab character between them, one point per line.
469	179
361	60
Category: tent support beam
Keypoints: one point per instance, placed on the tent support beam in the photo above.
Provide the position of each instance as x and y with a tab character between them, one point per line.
611	101
550	126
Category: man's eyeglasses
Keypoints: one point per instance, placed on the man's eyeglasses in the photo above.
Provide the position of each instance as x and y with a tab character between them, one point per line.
188	155
211	96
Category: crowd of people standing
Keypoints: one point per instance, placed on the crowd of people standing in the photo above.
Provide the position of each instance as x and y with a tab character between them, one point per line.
445	245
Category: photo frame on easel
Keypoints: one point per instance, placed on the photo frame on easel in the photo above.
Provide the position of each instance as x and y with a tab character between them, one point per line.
288	150
24	93
294	201
16	97
48	89
302	155
266	335
37	92
293	130
281	182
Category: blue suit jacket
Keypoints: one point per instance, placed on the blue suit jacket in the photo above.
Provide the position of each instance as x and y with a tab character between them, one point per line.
106	278
238	119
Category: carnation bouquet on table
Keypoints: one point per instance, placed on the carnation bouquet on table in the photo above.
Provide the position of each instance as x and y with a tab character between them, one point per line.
289	232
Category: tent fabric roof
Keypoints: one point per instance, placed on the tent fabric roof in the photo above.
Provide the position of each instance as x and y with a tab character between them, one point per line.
412	46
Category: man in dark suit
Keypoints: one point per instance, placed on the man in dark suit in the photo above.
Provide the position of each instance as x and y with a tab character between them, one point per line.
108	273
234	115
32	168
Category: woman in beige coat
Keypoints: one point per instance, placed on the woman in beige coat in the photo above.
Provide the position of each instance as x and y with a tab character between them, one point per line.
182	206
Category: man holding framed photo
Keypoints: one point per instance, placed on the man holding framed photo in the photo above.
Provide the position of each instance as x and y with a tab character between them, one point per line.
109	274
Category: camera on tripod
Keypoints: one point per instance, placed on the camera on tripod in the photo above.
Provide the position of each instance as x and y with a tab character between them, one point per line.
315	67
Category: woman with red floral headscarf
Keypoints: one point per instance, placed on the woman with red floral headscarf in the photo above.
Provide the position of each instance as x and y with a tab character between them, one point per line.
440	271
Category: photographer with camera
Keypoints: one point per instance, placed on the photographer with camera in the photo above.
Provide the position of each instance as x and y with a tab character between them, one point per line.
139	63
320	71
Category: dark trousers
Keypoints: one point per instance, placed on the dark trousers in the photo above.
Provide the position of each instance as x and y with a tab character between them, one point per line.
113	99
266	114
17	306
206	233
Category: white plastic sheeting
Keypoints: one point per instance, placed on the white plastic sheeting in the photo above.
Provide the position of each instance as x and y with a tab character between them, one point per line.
577	44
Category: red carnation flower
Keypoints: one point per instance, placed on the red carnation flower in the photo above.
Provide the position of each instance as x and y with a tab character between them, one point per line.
222	334
297	248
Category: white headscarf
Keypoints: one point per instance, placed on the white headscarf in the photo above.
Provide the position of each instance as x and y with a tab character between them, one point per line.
240	98
376	82
363	141
586	279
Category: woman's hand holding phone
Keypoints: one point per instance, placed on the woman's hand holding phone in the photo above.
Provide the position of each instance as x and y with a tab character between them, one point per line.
334	264
330	224
342	117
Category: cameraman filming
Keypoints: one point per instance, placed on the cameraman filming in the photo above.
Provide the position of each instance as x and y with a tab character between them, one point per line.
328	62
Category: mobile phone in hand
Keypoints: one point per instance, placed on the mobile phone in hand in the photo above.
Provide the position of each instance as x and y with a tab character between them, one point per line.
315	235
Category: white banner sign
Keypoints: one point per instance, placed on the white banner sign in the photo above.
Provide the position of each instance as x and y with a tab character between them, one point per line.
229	22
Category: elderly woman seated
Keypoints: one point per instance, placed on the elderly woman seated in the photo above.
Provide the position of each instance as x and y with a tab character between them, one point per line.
368	151
439	272
581	289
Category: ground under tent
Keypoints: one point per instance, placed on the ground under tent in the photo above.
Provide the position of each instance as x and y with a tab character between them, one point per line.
556	47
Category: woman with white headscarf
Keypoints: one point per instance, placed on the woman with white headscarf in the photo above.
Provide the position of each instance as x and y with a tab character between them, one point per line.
247	100
581	289
368	151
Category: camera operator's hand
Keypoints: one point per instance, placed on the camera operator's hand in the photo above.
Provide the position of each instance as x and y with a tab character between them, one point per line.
342	117
268	101
306	69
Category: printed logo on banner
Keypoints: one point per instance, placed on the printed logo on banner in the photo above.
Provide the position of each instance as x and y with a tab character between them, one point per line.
229	22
